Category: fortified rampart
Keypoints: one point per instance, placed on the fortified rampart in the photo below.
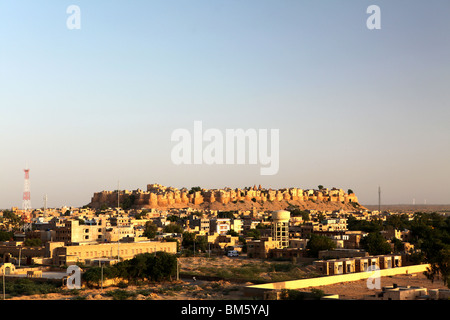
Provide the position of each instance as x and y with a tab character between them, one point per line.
161	196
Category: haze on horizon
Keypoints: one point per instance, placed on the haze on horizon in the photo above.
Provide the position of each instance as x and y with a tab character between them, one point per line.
356	108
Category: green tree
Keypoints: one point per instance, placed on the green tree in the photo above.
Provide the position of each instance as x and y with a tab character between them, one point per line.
226	214
201	242
172	218
93	275
398	245
141	215
150	229
440	266
138	267
296	212
375	244
254	233
128	202
317	243
32	242
162	267
6	236
11	219
321	216
431	235
157	266
173	228
398	221
195	189
262	226
197	213
188	239
354	224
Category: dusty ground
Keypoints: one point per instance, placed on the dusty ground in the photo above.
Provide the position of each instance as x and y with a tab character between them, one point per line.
185	289
190	264
188	289
358	289
177	290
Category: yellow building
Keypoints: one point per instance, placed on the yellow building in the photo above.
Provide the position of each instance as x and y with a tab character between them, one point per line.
101	231
66	255
260	248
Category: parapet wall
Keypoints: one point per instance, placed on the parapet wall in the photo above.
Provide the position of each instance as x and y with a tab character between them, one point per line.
258	290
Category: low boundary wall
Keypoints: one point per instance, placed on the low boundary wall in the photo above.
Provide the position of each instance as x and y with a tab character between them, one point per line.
259	289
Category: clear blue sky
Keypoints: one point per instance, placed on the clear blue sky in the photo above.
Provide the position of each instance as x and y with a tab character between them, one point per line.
356	108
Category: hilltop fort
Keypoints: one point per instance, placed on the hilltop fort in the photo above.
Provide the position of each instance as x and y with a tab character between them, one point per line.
158	196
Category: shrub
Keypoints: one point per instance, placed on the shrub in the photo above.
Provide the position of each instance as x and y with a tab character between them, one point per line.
288	294
29	287
119	294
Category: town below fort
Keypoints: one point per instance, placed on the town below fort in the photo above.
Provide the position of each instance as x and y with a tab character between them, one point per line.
250	243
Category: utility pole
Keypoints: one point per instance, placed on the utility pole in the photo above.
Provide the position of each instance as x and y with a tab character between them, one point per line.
118	227
45	207
4	296
102	277
379	199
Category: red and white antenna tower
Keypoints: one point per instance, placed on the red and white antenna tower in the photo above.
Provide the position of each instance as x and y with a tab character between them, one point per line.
26	203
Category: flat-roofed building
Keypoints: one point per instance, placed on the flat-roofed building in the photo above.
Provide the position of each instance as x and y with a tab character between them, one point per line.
66	255
361	264
260	248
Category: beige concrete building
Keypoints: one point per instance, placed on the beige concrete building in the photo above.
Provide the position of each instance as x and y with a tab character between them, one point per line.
400	293
220	241
7	268
220	226
357	264
331	225
298	243
102	230
260	248
66	255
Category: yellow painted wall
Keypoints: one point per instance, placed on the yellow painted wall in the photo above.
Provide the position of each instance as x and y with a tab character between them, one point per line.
323	281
